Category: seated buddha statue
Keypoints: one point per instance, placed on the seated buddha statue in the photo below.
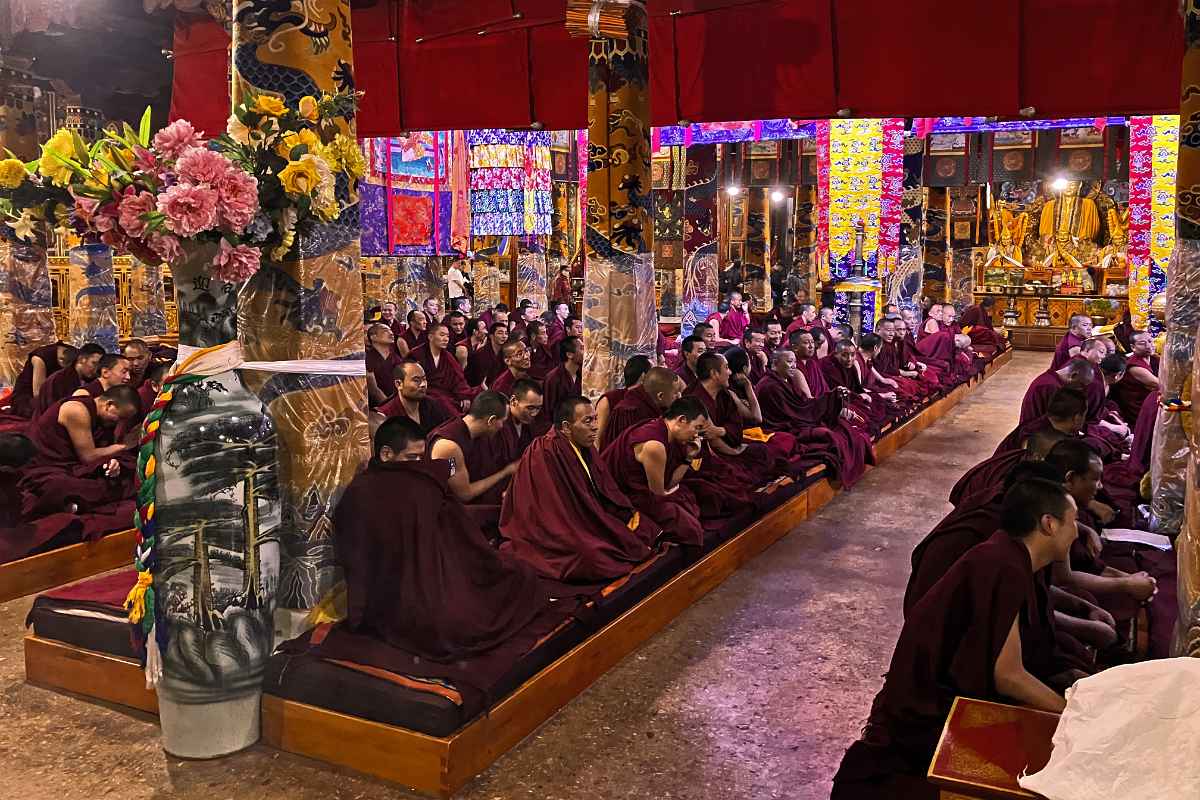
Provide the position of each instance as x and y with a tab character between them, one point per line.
1114	257
1008	235
1069	222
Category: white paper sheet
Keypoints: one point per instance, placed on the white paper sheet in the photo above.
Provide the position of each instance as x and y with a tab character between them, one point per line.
1155	540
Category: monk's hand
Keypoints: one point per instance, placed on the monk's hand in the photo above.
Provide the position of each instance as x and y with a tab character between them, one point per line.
866	397
112	468
1141	586
1104	512
693	449
888	395
511	469
465	405
712	433
1092	543
1098	614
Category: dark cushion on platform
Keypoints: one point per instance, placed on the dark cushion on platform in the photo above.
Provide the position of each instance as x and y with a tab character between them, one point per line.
87	614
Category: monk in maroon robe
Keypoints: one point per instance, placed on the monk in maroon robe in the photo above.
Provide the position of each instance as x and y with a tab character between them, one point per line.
527	420
976	322
890	363
754	342
1076	374
1140	378
479	473
516	366
899	406
691	349
447	384
945	351
485	363
63	383
990	473
411	399
77	466
787	405
736	320
426	581
415	333
18	537
556	328
1066	411
565	380
658	389
1123	479
840	371
387	316
635	368
40	364
1079	330
542	357
382	360
564	514
650	460
972	634
137	353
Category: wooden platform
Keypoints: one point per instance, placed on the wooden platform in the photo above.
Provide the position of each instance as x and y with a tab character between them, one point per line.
440	766
75	562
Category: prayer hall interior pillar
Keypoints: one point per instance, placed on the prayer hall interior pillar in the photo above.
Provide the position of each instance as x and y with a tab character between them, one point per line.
306	307
1174	459
26	306
700	267
620	318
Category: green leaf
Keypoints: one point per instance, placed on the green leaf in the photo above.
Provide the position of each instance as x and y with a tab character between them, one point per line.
144	128
297	151
81	149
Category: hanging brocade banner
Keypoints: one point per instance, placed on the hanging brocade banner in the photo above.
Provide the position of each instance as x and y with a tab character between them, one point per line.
855	181
26	306
510	182
891	199
1162	200
700	269
1141	180
408	280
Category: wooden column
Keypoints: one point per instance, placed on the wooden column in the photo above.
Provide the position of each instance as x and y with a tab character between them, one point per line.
307	306
700	265
620	319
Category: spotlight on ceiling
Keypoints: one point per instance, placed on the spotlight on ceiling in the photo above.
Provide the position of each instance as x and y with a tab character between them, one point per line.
733	191
1027	111
777	196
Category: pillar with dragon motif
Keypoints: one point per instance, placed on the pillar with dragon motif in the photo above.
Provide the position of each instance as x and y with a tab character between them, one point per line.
620	318
1176	451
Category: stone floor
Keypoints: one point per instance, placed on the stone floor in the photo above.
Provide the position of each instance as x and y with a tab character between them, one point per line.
754	692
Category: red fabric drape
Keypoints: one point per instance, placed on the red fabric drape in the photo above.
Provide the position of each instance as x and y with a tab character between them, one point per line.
725	60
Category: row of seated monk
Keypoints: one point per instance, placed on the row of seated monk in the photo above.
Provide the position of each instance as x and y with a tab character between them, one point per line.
1016	594
70	428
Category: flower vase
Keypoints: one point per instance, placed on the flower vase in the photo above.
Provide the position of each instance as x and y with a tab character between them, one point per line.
216	559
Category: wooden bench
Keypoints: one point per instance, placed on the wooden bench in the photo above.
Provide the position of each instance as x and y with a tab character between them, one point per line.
440	766
64	565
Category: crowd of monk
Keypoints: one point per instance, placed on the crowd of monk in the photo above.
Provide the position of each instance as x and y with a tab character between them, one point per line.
1017	593
68	436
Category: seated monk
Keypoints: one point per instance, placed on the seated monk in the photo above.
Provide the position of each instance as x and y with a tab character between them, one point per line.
1140	378
19	538
77	466
516	366
977	633
886	389
754	342
635	368
151	385
989	474
774	337
650	460
485	363
456	323
63	383
425	580
523	423
787	404
478	474
803	320
1112	371
564	514
41	363
447	384
111	370
411	400
414	334
950	354
1079	330
840	371
382	360
890	362
1066	411
565	380
1076	374
541	355
976	322
1123	479
137	353
658	389
692	348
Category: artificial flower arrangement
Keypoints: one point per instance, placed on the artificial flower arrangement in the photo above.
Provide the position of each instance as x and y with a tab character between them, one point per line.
248	191
32	202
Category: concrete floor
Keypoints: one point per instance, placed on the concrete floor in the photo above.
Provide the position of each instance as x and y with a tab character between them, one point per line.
754	692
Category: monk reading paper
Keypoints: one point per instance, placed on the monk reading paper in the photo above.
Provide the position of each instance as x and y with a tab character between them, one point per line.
966	636
659	388
412	400
635	368
74	375
649	461
426	580
564	514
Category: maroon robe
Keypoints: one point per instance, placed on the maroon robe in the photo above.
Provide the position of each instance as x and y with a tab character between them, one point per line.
558	386
760	461
874	414
541	362
513	440
482	457
938	350
814	422
614	398
636	407
890	361
505	380
685	372
1123	478
384	369
988	474
565	516
483	365
432	413
447	384
733	325
555	333
414	340
560	290
1037	400
19	538
677	513
21	401
948	647
982	334
1062	351
1129	393
57	386
758	369
426	580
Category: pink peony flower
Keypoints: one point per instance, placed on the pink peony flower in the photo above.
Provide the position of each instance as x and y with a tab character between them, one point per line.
203	166
236	264
189	209
172	140
105	218
144	160
166	247
85	209
239	199
133	206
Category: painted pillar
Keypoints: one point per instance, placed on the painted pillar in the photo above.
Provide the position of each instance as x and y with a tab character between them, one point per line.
1174	473
620	319
308	306
26	306
147	308
701	289
531	271
906	282
93	302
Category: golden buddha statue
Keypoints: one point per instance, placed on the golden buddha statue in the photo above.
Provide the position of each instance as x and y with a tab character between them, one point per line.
1068	224
1114	257
1008	235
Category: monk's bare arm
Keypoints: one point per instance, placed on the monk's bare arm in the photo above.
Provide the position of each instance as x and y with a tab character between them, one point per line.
653	458
749	408
1140	587
464	488
461	353
74	417
800	384
373	390
39	374
1013	681
1144	377
602	411
401	347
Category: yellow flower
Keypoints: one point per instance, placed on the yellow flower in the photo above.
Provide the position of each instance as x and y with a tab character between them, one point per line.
299	177
12	173
304	136
349	158
270	105
49	166
237	130
308	108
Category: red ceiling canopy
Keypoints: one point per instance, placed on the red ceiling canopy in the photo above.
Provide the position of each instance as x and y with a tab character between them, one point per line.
425	65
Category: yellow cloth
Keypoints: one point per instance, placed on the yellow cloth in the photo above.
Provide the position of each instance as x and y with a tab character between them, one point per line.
756	435
1087	217
636	519
332	607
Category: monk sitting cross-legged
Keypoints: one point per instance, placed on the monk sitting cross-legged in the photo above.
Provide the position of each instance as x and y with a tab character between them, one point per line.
425	581
659	388
565	380
479	472
40	364
635	368
564	514
649	461
1140	378
64	382
967	636
447	384
412	400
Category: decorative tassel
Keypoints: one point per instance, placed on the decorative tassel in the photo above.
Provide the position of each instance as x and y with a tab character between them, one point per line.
135	601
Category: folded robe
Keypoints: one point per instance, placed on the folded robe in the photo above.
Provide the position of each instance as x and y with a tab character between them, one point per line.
565	516
635	407
447	384
426	580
